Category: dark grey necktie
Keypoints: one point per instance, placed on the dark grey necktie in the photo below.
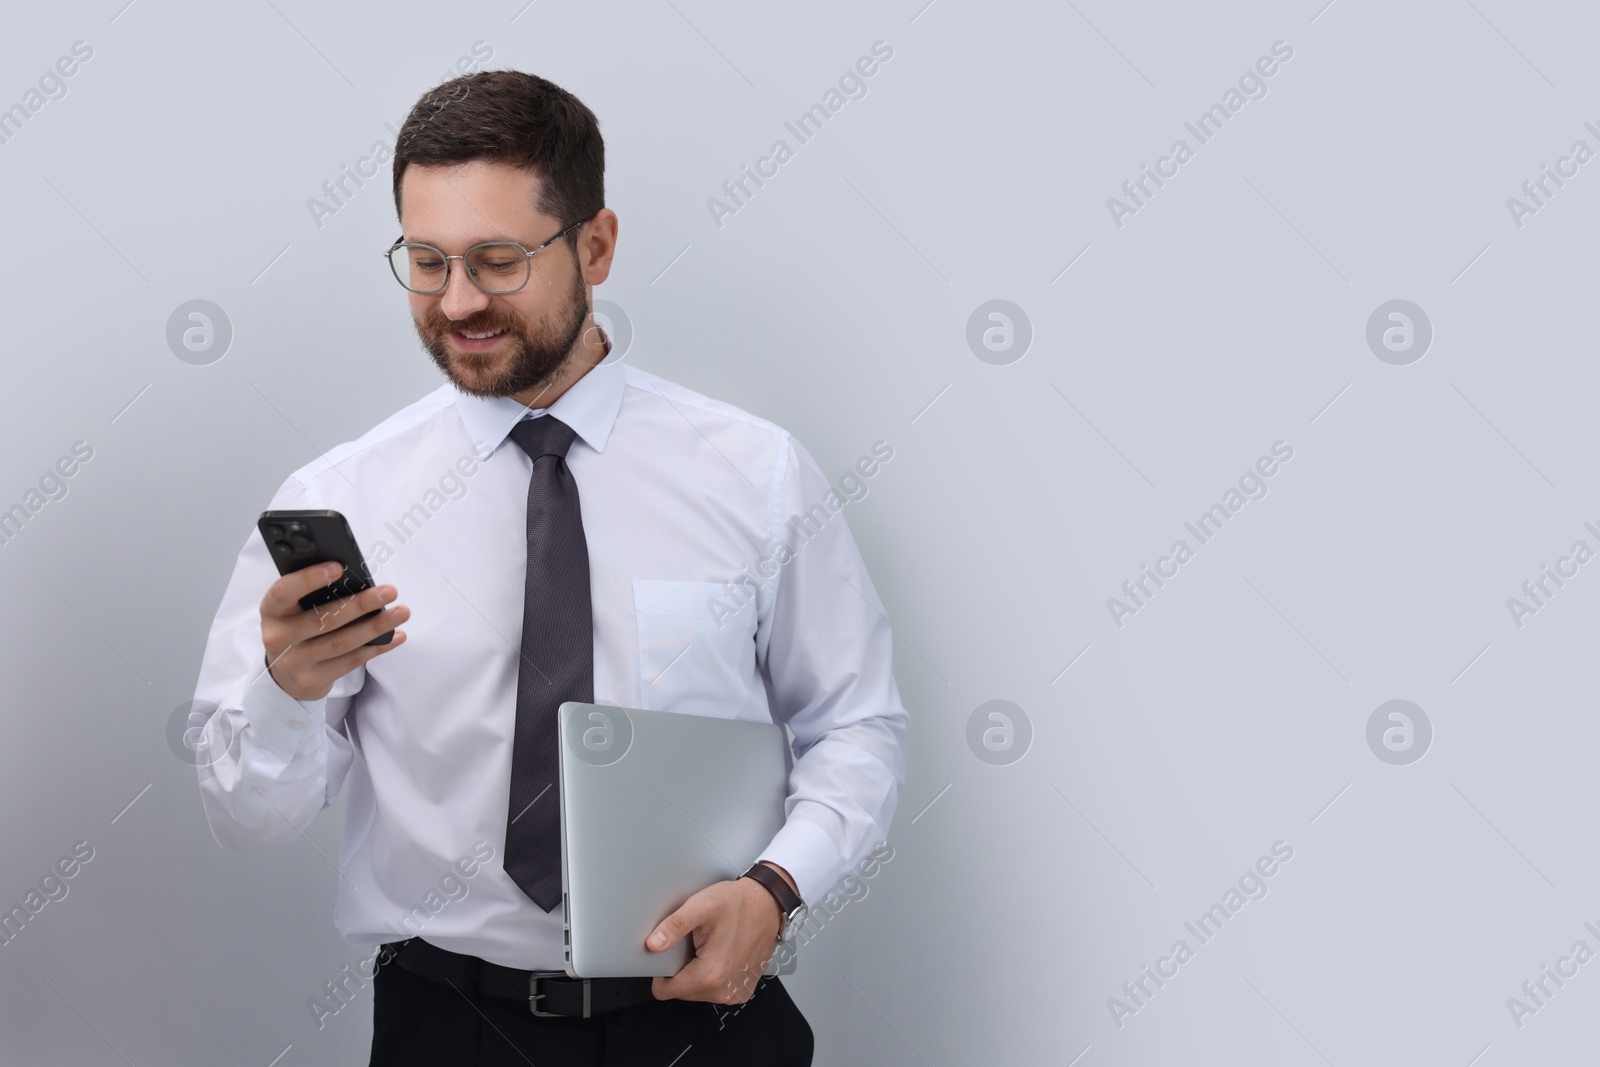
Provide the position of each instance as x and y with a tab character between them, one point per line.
557	662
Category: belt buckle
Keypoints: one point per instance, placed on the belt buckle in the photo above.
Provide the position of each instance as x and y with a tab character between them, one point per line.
534	996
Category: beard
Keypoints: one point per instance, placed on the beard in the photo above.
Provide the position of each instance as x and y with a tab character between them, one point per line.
537	353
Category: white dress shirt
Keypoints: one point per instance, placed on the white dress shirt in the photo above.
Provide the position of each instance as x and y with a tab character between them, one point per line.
724	583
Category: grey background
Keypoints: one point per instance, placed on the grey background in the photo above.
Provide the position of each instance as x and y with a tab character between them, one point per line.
1228	314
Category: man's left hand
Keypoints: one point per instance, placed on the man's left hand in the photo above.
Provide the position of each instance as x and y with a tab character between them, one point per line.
734	926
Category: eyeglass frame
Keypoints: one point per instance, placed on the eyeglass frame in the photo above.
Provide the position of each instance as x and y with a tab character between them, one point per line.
401	242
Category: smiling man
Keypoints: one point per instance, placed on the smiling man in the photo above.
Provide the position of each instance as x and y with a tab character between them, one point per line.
608	507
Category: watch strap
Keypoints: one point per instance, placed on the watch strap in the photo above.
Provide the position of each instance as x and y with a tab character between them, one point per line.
787	898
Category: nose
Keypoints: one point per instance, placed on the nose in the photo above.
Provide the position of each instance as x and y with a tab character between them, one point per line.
461	297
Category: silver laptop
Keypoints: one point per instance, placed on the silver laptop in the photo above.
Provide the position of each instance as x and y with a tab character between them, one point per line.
655	806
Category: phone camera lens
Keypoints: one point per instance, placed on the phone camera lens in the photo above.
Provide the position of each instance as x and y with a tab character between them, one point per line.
283	548
274	530
301	542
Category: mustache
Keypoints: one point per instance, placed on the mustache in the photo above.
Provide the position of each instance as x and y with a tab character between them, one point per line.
440	325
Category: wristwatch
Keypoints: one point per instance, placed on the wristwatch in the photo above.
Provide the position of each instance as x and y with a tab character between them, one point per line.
793	908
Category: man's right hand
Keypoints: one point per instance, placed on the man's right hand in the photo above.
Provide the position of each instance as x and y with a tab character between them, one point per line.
309	650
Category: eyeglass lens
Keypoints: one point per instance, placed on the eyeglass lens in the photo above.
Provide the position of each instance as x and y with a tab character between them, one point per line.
499	268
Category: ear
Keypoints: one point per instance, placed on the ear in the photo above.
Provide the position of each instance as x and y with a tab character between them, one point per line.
597	243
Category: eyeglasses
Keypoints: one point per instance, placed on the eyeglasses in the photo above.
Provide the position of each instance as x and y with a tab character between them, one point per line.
494	266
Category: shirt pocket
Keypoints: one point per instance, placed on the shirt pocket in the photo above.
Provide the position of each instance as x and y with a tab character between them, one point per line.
692	660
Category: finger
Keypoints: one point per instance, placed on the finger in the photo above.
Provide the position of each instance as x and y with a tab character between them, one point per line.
312	678
319	659
676	927
283	596
345	610
354	635
711	983
326	618
692	982
339	666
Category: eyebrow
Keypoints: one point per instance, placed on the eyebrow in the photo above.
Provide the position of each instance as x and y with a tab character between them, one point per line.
474	241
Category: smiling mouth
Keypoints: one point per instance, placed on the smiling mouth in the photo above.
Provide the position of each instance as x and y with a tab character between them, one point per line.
478	340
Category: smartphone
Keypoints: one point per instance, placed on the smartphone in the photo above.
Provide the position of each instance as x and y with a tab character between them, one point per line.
300	539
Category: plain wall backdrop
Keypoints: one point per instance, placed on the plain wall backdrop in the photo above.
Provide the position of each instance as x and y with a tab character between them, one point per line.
1155	342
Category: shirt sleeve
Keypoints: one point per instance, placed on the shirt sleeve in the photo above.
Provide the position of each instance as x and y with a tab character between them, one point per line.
268	763
826	656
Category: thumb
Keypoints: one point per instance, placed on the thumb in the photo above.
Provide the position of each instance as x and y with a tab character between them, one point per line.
675	927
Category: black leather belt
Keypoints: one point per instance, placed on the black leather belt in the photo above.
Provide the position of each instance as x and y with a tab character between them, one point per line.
548	994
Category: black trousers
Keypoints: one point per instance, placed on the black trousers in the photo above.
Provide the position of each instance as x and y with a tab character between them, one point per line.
417	1022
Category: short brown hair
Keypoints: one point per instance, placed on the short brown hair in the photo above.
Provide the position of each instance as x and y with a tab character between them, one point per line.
508	116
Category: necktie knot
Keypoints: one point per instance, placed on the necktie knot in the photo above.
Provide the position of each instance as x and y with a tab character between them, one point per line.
543	435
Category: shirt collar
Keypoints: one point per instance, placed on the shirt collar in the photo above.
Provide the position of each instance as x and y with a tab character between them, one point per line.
589	406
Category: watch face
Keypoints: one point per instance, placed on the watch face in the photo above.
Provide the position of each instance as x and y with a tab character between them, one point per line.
793	921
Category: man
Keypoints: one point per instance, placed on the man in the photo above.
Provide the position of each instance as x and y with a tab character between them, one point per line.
568	527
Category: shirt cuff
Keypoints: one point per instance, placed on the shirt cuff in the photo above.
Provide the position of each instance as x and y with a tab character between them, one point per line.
276	722
805	850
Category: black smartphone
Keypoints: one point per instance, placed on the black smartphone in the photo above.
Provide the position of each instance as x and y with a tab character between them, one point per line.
300	539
